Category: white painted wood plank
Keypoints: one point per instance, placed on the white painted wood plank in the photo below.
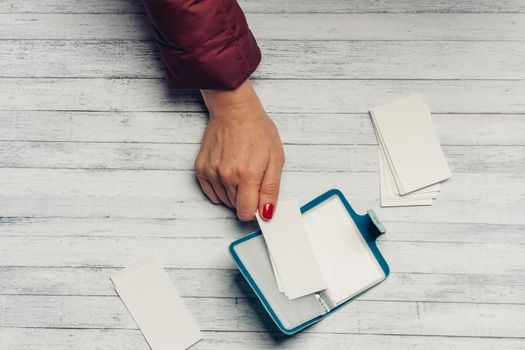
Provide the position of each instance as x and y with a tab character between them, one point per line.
174	127
466	198
58	58
89	339
163	156
74	26
441	96
414	257
72	6
392	60
388	26
378	26
289	6
136	227
466	288
231	228
297	96
282	59
226	314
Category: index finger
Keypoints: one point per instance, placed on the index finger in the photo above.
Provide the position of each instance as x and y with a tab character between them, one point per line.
247	200
269	191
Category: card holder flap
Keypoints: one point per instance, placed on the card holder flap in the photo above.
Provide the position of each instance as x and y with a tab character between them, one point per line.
375	227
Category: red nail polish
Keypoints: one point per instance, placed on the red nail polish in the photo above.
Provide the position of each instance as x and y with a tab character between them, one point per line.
267	211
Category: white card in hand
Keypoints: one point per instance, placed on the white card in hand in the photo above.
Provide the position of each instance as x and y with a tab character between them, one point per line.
291	251
412	148
156	306
276	274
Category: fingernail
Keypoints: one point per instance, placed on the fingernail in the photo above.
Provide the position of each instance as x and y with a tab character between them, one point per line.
267	211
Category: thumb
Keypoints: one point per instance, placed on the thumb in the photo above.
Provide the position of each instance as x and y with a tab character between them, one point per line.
269	190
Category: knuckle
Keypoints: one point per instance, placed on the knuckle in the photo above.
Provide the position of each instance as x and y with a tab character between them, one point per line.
244	215
200	167
242	172
210	173
270	188
214	164
247	173
280	158
225	172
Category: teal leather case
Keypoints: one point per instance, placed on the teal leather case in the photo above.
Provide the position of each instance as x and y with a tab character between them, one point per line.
370	228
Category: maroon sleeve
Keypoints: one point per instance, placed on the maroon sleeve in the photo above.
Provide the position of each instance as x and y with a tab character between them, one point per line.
204	44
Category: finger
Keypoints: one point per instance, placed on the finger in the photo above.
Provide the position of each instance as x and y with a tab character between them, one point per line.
221	192
247	196
231	191
207	188
269	190
229	184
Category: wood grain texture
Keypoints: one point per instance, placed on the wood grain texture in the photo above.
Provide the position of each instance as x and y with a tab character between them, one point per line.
378	26
475	258
96	158
400	286
87	339
231	228
288	6
490	198
143	156
290	96
227	314
187	127
282	59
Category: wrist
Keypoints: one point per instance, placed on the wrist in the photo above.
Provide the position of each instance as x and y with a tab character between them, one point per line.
227	102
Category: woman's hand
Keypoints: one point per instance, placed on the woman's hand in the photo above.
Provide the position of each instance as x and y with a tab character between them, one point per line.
241	156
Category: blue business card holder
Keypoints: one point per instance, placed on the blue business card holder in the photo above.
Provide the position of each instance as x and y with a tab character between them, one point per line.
250	254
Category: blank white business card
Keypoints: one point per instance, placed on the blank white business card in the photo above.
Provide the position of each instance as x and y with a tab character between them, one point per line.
291	251
156	305
277	277
411	145
344	257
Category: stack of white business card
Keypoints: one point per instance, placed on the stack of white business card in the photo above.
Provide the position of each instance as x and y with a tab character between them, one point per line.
411	161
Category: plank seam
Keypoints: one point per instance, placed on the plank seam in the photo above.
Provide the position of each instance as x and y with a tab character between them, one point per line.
309	331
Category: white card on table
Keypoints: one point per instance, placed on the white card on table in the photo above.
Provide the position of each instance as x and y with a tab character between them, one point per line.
291	252
156	305
412	148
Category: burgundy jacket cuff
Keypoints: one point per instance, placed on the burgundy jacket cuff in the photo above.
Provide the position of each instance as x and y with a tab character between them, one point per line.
204	44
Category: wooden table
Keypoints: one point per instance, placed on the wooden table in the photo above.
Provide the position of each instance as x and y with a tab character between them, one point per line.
97	154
